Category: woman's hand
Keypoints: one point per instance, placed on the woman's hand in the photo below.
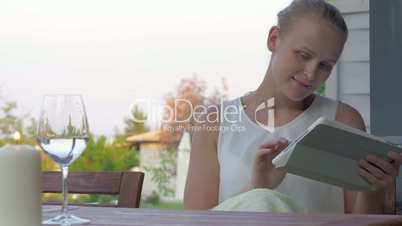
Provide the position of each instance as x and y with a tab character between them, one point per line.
380	173
264	174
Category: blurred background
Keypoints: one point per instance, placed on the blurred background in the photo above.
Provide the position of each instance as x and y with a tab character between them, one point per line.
117	53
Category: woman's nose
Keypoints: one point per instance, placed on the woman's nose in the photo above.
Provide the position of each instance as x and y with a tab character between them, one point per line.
310	70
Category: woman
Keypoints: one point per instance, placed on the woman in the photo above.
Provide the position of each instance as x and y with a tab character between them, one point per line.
305	46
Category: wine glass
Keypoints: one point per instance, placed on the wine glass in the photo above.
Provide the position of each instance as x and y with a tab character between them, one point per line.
63	134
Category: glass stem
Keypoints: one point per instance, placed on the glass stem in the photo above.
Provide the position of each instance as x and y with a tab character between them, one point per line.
64	208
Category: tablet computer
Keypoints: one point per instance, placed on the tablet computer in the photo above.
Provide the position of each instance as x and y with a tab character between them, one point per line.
329	151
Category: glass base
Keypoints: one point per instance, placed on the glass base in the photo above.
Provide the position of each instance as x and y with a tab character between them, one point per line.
65	220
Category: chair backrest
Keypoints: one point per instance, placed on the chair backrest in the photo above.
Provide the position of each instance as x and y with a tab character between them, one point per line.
127	185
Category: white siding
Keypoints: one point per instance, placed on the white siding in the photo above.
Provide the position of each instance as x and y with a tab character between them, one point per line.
350	81
355	77
351	6
358	21
357	48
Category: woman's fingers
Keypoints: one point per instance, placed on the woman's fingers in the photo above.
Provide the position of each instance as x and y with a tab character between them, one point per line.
261	160
264	173
379	172
395	156
262	152
279	147
376	172
385	166
272	143
397	160
378	184
272	149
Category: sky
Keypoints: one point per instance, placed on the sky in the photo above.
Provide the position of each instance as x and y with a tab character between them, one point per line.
116	52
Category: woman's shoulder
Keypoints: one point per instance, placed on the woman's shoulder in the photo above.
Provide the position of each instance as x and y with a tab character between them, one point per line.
349	116
345	113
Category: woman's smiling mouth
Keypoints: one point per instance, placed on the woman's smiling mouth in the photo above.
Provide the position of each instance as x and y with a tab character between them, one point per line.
302	84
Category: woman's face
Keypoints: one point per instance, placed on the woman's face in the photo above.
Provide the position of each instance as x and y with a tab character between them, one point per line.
304	55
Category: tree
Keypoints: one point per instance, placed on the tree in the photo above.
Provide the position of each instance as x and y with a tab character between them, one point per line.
136	123
103	156
132	125
31	130
189	95
178	116
10	122
162	173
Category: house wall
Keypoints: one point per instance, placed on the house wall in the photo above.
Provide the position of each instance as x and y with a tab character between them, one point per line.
183	157
150	157
386	70
350	80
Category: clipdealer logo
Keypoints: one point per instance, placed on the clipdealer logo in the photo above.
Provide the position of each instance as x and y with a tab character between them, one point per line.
158	112
267	106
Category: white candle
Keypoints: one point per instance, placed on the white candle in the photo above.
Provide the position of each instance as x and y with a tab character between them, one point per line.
20	186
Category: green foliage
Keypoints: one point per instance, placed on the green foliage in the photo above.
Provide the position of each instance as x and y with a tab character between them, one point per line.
71	130
32	129
97	199
100	155
163	205
162	173
103	156
135	124
153	199
321	90
81	199
47	164
10	122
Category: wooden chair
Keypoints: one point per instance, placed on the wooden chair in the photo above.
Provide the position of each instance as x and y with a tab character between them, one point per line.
127	185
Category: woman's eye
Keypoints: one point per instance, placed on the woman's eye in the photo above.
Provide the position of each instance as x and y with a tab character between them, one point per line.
303	55
325	66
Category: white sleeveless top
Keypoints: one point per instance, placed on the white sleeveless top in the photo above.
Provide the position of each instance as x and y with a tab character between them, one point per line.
239	139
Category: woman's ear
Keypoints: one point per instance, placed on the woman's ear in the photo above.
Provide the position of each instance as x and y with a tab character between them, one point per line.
273	38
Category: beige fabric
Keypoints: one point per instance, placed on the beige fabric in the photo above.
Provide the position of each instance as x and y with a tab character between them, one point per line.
260	200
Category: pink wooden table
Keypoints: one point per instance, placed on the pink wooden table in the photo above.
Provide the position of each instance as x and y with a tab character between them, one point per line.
109	216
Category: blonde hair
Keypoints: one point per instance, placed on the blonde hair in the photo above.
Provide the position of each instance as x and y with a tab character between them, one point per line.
299	8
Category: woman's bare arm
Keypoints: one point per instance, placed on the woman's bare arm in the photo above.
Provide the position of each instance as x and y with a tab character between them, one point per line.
358	202
202	185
